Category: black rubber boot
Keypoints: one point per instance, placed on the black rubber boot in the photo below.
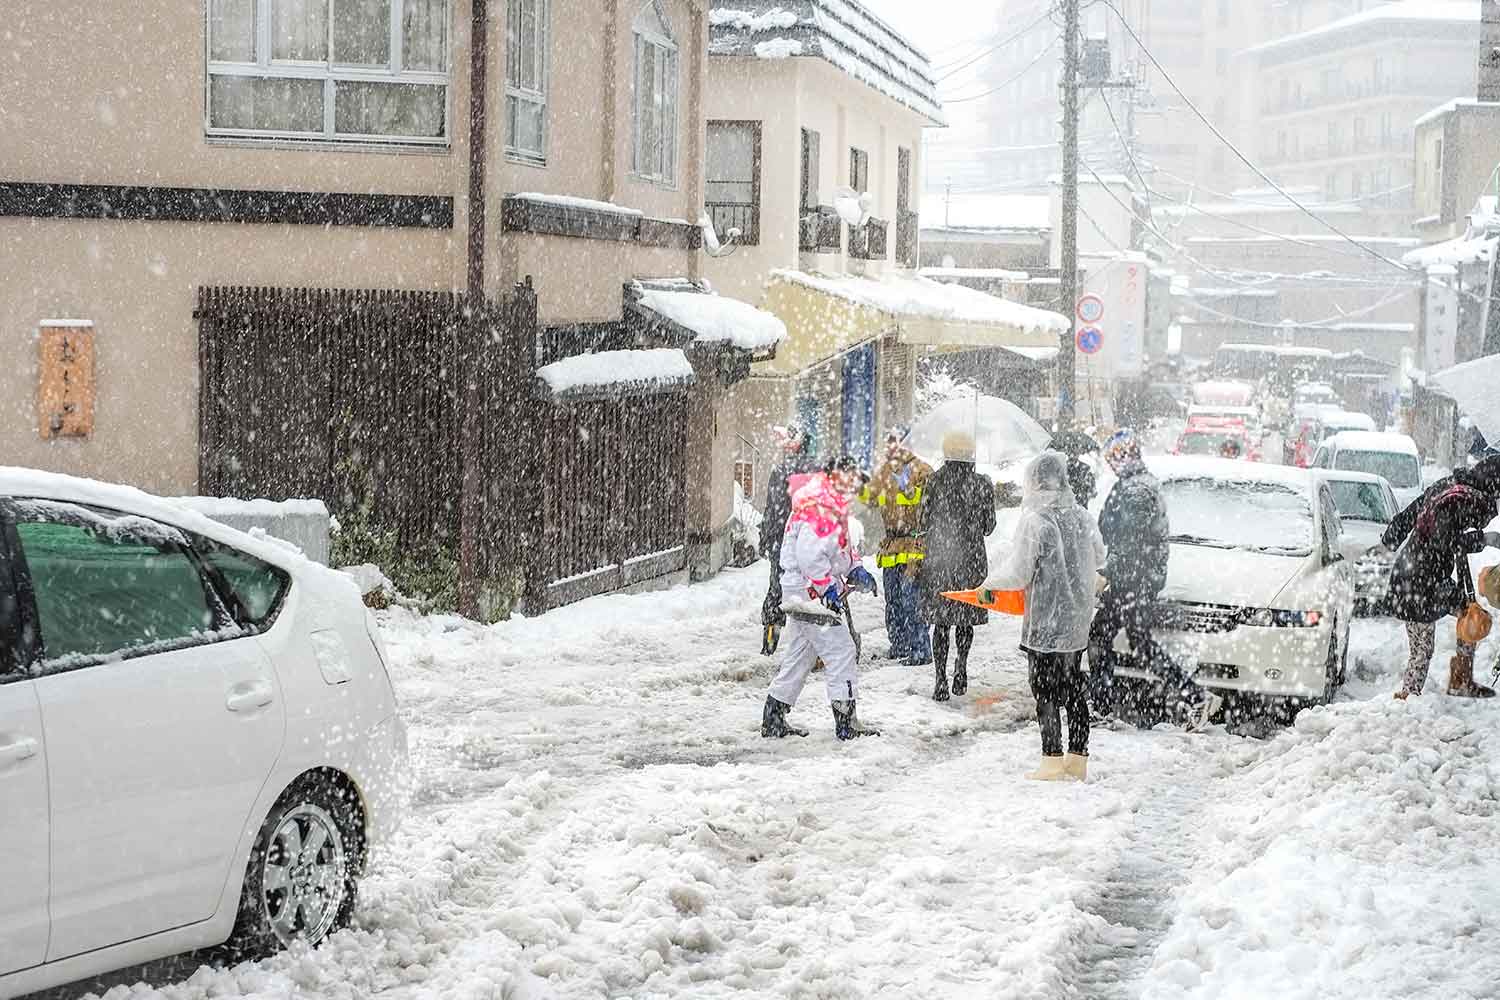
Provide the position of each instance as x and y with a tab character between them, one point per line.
961	678
773	720
940	691
846	724
770	640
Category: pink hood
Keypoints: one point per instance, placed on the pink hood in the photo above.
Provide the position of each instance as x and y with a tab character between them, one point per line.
816	502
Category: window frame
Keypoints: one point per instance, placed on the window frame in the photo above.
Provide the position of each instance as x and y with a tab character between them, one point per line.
17	634
669	57
750	236
330	73
513	152
811	170
859	164
31	660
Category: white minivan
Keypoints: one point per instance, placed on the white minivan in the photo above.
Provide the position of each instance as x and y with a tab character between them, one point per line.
198	736
1259	595
1393	457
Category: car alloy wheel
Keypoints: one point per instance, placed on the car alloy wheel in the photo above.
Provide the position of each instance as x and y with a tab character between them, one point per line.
305	875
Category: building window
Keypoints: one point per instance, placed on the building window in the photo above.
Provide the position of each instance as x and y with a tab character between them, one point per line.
859	170
351	70
810	169
731	185
655	113
744	476
526	37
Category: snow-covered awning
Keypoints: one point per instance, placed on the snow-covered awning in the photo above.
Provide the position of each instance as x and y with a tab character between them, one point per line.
829	314
1453	253
700	317
611	374
1475	387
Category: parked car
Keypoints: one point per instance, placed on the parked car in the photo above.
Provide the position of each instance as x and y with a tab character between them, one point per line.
1331	422
1317	394
1224	393
1259	595
199	740
1366	506
1393	456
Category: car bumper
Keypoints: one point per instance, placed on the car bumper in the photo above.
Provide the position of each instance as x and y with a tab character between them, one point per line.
1275	662
387	779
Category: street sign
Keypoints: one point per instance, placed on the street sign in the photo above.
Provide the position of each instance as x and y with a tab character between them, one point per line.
1090	309
1090	339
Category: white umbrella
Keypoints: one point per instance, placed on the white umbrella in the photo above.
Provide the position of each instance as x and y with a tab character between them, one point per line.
1003	432
1475	387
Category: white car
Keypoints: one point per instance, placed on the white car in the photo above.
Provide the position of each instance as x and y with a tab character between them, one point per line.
1392	456
198	737
1366	507
1259	595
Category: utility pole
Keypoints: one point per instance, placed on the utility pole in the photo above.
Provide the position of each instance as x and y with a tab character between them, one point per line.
947	201
1068	279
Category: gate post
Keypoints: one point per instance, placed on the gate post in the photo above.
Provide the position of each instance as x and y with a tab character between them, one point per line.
471	335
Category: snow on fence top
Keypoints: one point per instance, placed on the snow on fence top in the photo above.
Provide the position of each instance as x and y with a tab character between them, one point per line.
717	319
986	211
923	297
839	31
217	507
569	201
656	368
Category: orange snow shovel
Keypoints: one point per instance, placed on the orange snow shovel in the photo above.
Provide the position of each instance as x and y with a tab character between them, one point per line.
1007	602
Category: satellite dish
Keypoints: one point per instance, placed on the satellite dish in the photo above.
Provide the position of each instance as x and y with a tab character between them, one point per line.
711	244
852	207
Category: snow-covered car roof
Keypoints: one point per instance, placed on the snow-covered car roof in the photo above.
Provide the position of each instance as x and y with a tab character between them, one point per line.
35	484
1346	418
1401	444
1350	476
1170	467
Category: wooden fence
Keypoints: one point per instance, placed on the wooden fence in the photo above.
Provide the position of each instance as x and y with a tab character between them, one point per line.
422	410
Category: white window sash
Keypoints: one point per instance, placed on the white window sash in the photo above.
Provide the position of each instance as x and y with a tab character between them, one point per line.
535	97
264	67
658	164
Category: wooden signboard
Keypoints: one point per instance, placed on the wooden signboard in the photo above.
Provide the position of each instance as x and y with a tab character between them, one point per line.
65	389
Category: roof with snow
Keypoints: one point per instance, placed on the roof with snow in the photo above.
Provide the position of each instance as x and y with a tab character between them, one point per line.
713	319
840	32
617	373
1392	20
921	297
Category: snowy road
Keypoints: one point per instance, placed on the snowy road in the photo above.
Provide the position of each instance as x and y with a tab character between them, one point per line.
596	815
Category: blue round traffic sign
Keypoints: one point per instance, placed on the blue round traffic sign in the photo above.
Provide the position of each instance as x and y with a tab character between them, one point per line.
1090	339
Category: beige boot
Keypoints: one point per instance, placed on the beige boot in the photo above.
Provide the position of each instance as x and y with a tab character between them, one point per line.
1052	769
1461	683
1077	766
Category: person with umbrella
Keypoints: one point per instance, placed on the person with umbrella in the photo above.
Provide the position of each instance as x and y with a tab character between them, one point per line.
957	514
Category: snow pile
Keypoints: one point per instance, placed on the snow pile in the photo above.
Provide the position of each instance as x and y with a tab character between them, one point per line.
743	20
922	297
568	201
717	318
778	48
661	366
1350	857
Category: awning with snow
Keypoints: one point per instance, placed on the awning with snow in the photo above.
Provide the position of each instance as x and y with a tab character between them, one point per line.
699	317
1475	387
613	374
827	315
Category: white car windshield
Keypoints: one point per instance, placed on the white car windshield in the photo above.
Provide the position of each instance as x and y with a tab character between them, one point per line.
1401	471
1236	514
1362	501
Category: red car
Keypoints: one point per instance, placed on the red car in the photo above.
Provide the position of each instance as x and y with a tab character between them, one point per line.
1217	438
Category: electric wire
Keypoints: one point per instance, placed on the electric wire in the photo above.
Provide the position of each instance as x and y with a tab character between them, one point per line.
1001	86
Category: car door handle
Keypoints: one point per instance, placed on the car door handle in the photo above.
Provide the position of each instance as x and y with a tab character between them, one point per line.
249	696
17	750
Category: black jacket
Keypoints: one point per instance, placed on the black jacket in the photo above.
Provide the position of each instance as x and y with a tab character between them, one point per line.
779	503
1401	525
1081	480
957	513
1430	577
1134	527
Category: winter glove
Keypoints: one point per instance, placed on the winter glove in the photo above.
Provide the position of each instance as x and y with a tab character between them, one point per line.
833	600
861	580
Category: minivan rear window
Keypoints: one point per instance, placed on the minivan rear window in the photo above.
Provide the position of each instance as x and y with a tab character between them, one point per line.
1401	471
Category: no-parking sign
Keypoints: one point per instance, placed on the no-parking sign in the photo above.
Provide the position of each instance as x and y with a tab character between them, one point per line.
1090	339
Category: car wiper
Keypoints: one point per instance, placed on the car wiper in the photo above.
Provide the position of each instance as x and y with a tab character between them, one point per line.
1278	550
1213	543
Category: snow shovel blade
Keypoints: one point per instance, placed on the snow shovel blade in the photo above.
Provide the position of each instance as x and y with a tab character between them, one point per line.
1006	602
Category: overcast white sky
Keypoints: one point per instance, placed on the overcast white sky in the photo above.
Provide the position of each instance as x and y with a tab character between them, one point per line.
948	31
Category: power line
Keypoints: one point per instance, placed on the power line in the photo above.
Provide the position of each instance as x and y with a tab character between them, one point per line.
1026	69
1235	149
1313	324
998	45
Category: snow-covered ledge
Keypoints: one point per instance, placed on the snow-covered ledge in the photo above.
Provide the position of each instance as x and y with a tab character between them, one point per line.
588	218
617	373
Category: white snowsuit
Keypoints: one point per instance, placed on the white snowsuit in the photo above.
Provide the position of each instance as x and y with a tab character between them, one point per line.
810	565
1055	558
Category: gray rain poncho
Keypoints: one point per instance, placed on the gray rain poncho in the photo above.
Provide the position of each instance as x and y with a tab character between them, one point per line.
1055	558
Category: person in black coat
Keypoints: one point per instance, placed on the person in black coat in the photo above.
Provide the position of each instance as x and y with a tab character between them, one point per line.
959	511
1430	579
1484	477
1134	526
796	445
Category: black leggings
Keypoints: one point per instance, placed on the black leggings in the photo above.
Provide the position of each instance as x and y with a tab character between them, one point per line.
1057	684
965	636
